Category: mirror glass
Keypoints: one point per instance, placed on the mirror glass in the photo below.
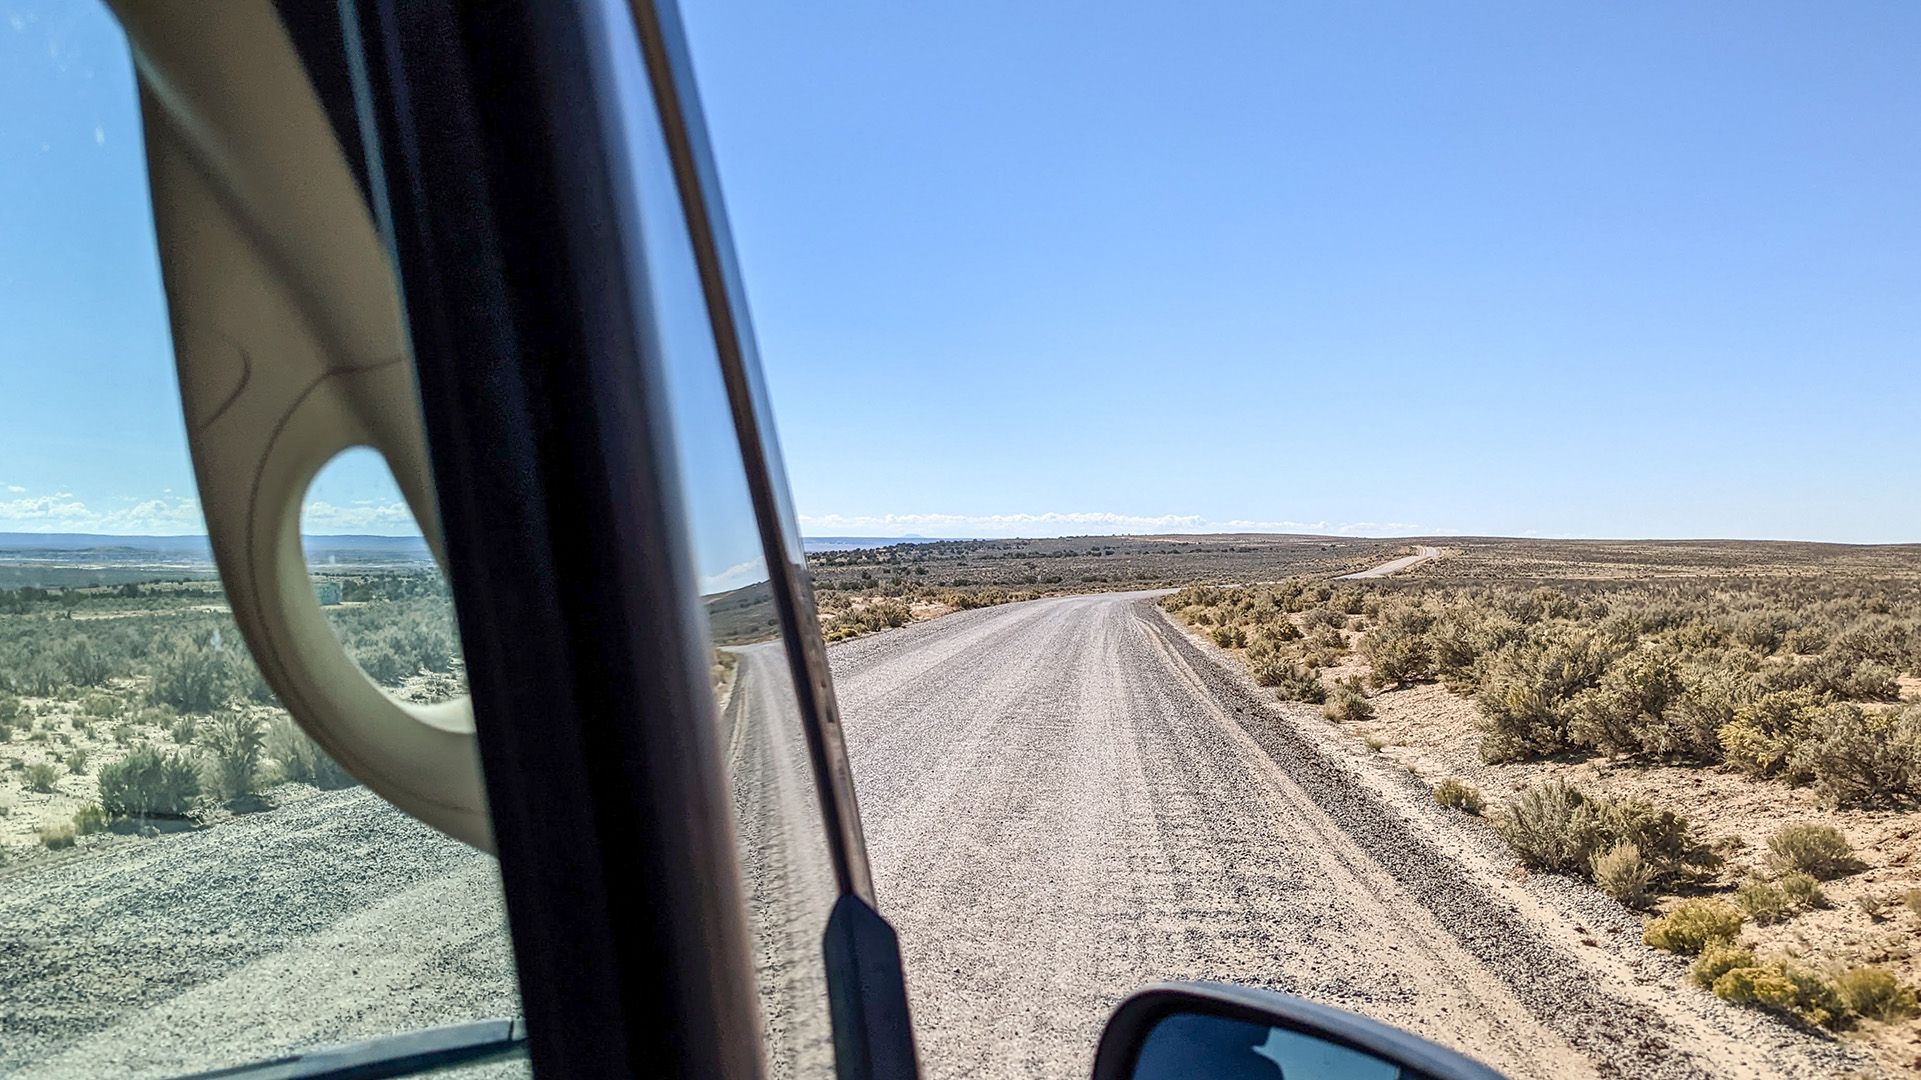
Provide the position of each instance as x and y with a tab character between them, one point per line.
1191	1044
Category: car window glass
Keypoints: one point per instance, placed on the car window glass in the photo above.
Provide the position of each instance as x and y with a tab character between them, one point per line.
785	859
187	882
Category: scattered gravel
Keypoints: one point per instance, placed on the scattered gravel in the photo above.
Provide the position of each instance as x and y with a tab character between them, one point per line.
1069	798
331	919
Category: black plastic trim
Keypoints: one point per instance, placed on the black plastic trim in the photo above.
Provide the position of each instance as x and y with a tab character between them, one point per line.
542	390
867	995
390	1056
670	70
1134	1018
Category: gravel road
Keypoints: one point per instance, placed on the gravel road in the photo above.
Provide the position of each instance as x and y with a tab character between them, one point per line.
1422	553
1069	798
1064	800
330	919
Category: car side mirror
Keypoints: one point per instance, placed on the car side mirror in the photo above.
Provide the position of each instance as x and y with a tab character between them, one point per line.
1189	1031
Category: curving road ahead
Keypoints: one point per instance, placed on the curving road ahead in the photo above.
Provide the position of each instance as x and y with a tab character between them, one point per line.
1067	799
1422	553
1064	799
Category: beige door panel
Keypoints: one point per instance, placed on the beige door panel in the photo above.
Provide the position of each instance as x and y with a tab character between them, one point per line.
291	348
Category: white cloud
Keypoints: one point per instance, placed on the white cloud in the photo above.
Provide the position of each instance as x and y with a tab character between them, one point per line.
172	515
63	512
1056	523
99	135
734	577
365	516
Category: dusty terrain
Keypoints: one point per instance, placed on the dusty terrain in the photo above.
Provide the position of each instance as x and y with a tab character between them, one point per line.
1067	799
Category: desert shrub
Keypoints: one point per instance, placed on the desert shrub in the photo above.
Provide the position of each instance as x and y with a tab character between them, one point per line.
1819	851
1690	728
183	730
193	678
84	664
234	746
1836	676
1230	636
1457	794
302	760
1761	631
57	835
1623	713
1857	757
41	776
1542	827
77	762
149	783
1767	902
1525	696
1316	618
89	819
1291	681
1717	959
1765	731
1875	993
1785	988
1693	924
1396	656
1347	704
1621	873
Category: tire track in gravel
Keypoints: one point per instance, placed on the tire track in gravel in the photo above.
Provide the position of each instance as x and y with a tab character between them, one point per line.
1068	798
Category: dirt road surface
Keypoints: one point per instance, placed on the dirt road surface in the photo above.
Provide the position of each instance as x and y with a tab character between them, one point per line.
1422	553
1064	800
1067	799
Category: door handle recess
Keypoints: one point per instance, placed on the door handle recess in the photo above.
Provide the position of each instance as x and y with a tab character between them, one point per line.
291	348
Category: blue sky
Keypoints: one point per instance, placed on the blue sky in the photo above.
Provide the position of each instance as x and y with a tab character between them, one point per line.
1623	270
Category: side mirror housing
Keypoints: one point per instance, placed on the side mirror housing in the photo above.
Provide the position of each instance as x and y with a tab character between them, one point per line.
1179	1031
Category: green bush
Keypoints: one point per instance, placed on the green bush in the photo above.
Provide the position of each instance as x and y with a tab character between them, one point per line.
1456	794
1555	827
1526	695
77	762
1623	713
1397	656
1621	873
1717	959
1543	827
149	783
41	776
57	835
89	819
1875	993
1785	988
1765	732
1347	704
1858	758
234	746
1229	636
301	760
1768	902
1693	924
193	678
1816	850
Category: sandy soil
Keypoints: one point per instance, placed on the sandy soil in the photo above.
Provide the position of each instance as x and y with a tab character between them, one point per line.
1069	798
1435	734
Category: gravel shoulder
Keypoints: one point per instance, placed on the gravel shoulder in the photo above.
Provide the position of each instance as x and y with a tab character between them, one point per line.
1069	798
331	919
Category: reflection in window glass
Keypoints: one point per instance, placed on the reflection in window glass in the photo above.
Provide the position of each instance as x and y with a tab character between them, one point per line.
186	881
785	860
